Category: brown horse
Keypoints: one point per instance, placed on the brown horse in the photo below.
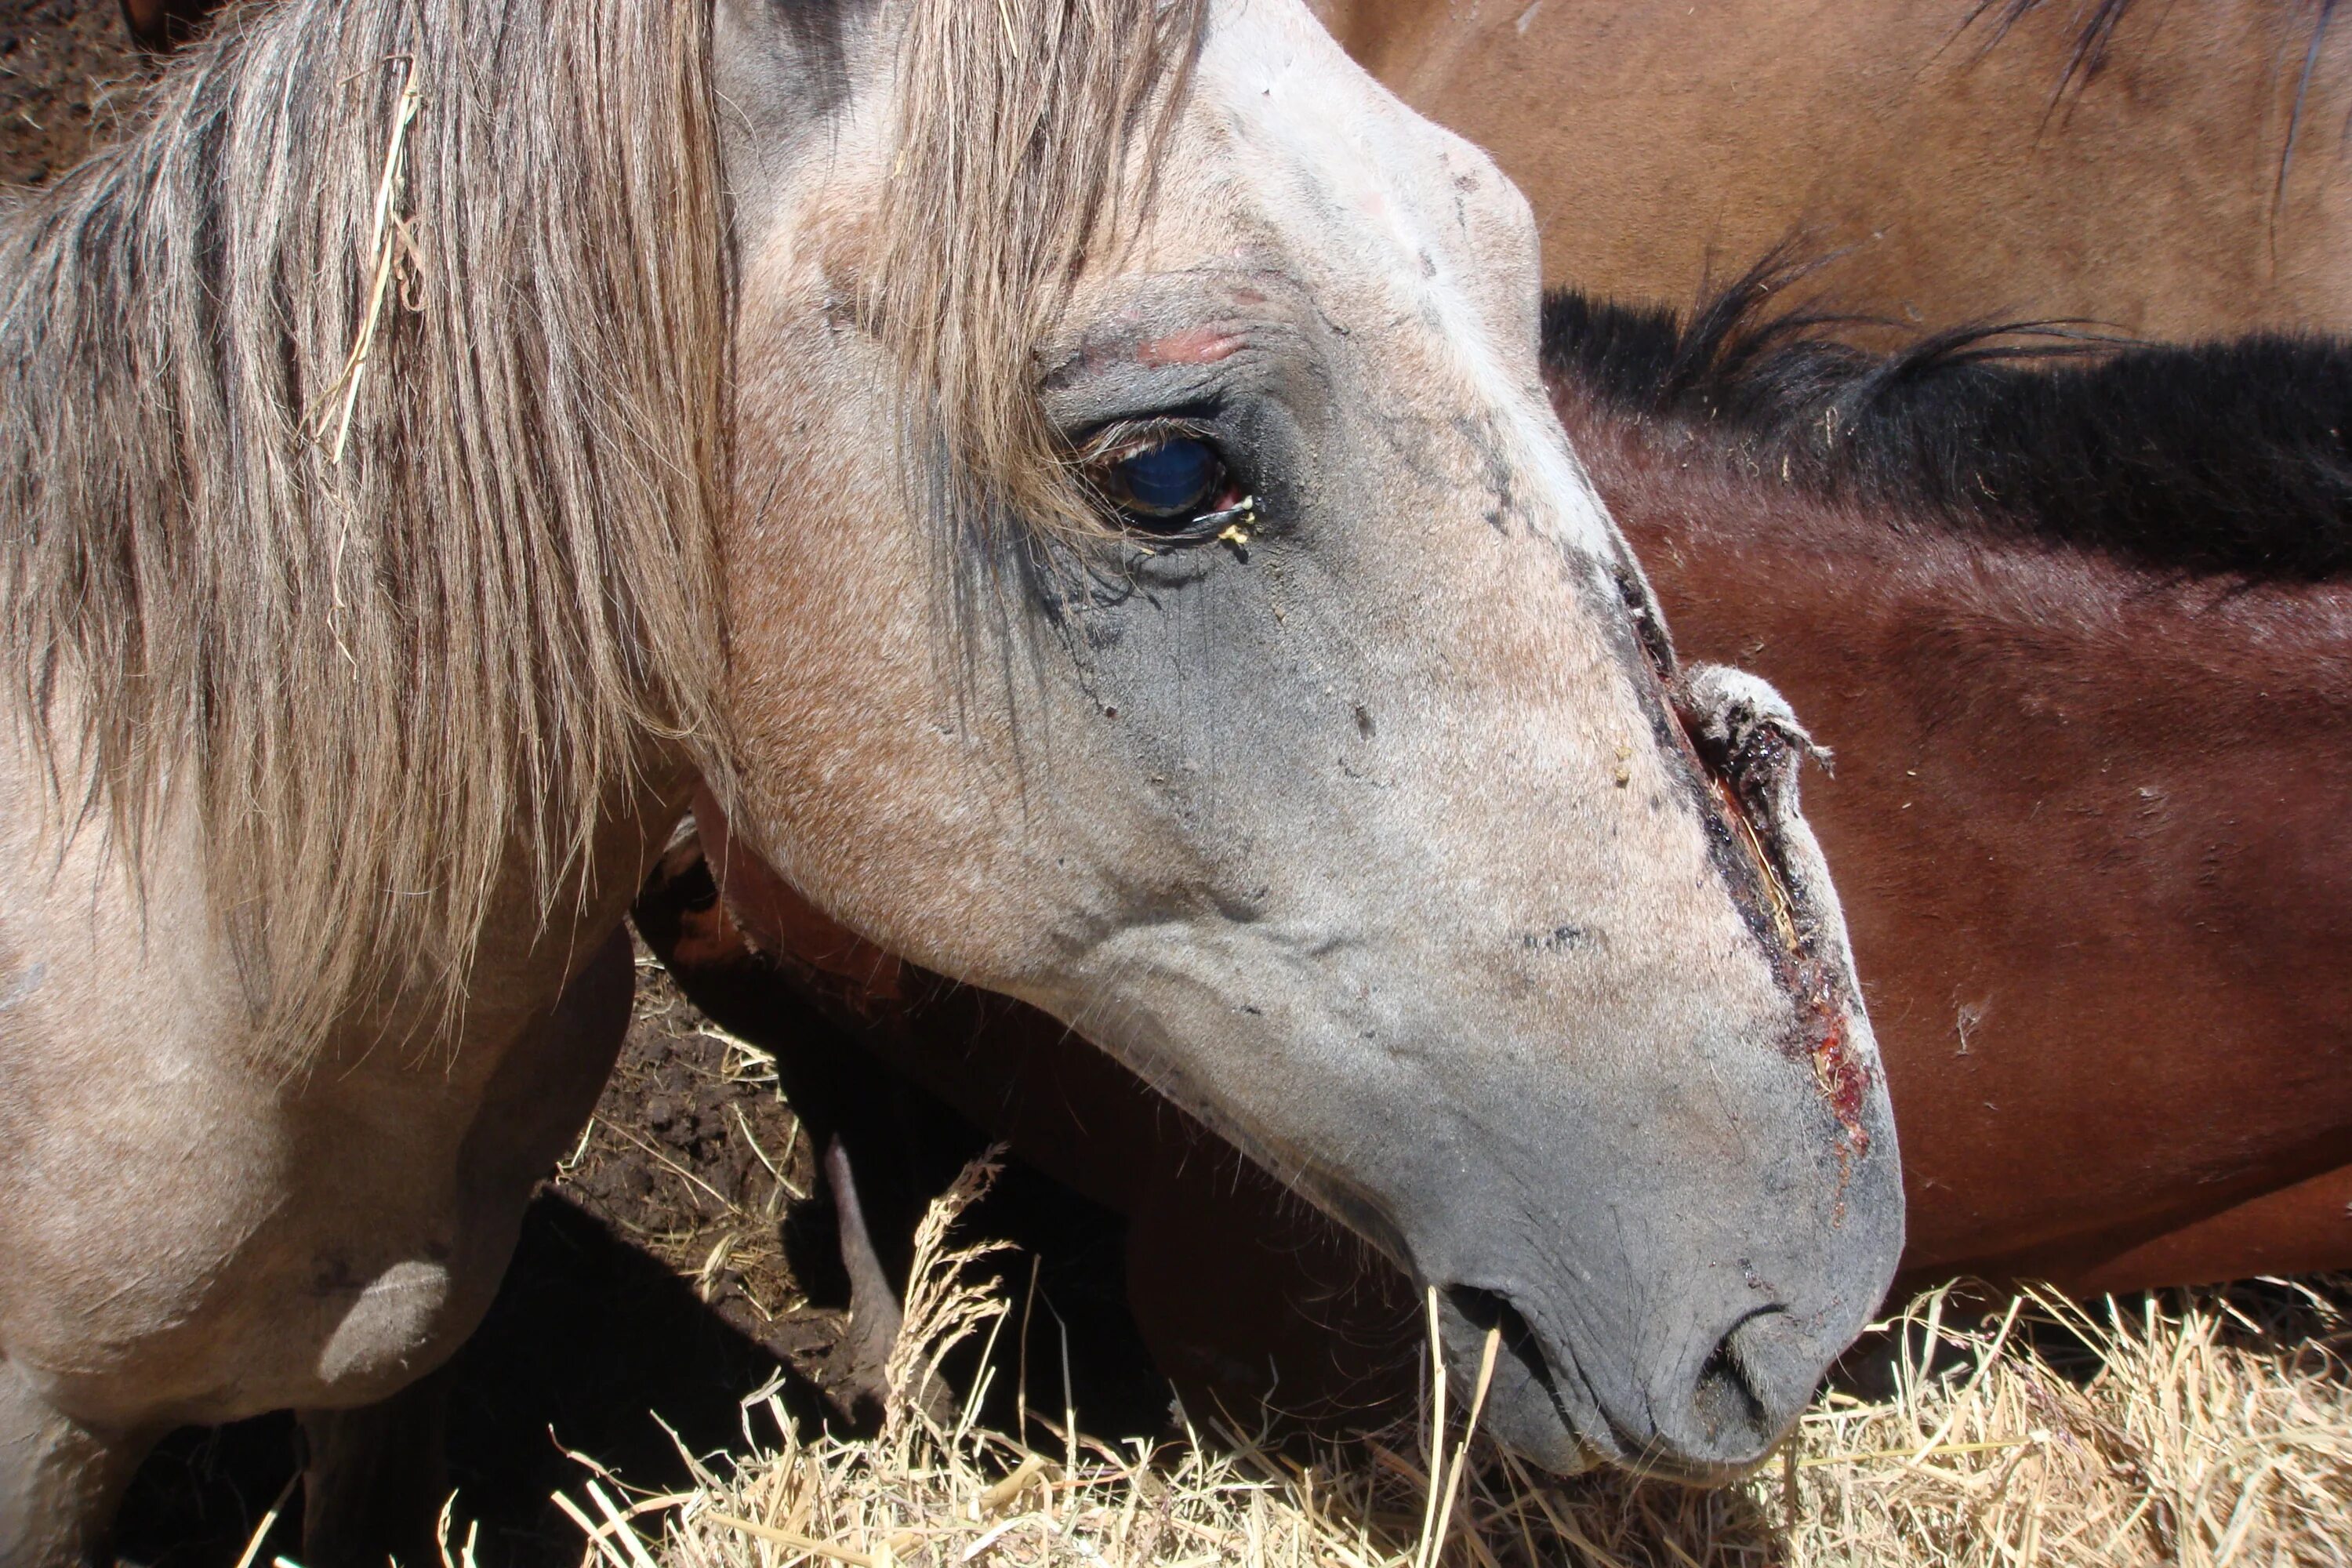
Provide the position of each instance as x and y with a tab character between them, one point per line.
1076	472
2173	171
2081	643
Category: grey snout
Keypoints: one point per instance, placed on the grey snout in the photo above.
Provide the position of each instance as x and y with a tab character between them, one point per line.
1748	1391
1670	1314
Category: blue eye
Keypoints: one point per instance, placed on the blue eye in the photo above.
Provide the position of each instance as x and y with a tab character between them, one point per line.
1171	480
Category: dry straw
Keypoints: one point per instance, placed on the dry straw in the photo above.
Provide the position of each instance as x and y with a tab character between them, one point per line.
2203	1429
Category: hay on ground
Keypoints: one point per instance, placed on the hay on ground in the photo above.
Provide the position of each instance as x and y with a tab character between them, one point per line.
2206	1428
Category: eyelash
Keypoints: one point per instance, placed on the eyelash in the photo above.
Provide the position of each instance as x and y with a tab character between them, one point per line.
1124	437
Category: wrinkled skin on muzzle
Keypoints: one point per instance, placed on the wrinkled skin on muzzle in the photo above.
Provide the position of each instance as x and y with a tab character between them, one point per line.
1375	827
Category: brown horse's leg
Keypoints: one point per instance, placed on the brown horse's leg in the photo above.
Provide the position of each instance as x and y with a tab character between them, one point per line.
873	1311
375	1480
59	1480
145	20
2305	1228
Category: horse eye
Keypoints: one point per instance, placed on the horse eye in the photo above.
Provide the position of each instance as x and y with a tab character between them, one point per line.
1168	482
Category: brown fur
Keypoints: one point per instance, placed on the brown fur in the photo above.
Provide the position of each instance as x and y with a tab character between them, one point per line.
2164	170
2173	171
2090	826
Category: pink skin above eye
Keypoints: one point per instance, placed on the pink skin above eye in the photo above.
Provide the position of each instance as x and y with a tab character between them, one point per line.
1201	345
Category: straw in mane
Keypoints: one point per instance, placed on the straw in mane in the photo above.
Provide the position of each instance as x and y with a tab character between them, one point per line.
400	631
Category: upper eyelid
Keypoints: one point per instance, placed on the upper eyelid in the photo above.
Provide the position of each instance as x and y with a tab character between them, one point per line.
1095	394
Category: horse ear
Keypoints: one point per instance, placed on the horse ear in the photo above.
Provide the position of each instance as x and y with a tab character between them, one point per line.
161	25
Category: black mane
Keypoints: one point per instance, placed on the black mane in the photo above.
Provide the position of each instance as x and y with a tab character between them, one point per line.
2219	459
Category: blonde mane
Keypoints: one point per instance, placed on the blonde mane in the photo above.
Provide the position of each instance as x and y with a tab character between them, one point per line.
366	431
1015	143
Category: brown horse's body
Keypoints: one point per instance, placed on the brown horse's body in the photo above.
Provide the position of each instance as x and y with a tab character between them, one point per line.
2136	173
2094	817
2096	835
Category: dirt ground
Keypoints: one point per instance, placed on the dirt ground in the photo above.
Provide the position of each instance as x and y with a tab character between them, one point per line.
693	1158
66	74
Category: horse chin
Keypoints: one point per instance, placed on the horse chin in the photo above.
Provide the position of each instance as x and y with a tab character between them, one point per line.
1526	1413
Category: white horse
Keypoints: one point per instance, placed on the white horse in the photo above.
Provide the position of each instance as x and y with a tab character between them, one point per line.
1072	473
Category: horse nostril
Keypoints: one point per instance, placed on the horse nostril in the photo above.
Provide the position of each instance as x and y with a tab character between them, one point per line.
1746	1391
1724	1401
1751	1385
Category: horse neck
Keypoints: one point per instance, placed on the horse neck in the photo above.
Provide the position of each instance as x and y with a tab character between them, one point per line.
1831	597
2088	825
